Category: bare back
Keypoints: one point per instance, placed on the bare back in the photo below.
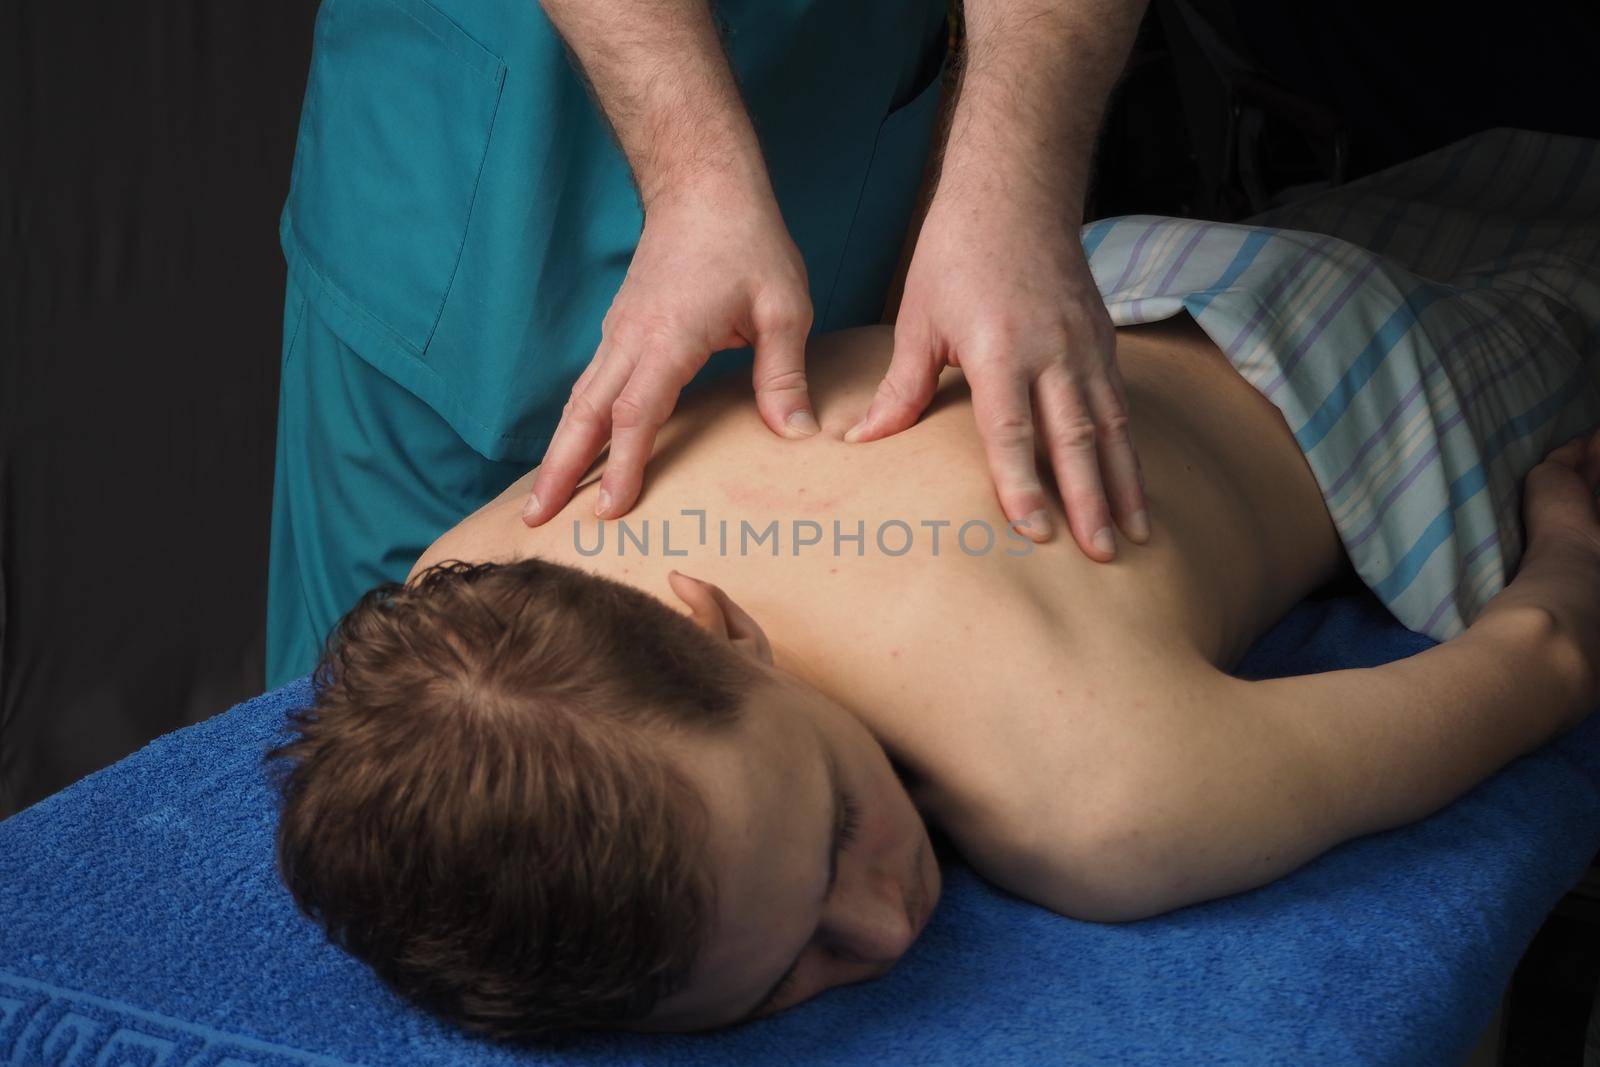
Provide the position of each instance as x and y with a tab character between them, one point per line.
964	658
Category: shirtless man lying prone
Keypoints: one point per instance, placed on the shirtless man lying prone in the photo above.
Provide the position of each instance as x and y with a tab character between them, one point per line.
532	794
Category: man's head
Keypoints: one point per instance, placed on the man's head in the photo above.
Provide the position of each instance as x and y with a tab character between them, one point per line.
531	799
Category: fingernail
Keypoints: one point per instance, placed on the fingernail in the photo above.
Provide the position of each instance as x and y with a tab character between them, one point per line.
804	422
1103	541
853	434
1036	523
602	503
1139	525
531	508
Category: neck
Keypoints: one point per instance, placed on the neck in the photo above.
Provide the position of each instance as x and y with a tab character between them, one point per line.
790	662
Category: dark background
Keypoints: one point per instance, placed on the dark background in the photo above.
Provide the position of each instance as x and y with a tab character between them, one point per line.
144	157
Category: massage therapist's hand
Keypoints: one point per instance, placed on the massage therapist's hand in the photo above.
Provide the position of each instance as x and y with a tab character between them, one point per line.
1005	294
998	283
714	269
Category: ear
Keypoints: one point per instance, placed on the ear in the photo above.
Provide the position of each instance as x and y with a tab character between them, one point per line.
715	612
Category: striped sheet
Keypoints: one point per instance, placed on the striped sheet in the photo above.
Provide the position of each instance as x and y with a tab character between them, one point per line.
1429	333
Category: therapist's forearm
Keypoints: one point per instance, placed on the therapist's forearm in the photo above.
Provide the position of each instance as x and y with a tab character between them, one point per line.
1035	79
660	75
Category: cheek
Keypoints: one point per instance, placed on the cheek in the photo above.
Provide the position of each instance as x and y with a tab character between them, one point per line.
889	819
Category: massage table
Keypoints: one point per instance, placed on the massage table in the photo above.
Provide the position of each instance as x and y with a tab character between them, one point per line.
142	922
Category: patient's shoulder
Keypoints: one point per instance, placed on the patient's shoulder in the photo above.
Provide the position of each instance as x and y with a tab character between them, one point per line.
482	535
449	545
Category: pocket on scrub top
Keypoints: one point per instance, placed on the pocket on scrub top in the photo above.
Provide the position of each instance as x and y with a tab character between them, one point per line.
399	108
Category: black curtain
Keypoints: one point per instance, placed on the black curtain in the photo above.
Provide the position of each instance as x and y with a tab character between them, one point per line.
144	154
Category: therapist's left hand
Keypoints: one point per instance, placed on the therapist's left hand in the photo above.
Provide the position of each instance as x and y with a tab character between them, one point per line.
1000	287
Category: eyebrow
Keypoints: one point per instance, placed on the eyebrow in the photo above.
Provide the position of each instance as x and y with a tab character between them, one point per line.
833	876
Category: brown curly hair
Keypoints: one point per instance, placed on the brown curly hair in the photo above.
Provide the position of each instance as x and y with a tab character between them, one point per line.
478	804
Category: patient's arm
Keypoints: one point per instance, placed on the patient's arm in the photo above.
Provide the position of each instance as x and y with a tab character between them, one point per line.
1247	780
1254	779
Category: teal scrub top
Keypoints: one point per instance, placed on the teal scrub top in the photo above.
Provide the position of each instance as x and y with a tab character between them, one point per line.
460	215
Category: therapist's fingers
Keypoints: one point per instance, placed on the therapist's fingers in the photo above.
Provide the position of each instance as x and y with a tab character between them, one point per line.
1070	433
583	431
1119	463
636	417
587	376
779	373
1005	424
906	390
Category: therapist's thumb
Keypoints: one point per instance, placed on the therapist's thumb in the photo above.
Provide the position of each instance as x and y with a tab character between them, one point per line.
780	375
905	392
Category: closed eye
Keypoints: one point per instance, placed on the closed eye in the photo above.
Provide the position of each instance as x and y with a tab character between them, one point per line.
851	818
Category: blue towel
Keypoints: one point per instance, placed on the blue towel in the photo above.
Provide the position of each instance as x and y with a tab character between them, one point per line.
142	922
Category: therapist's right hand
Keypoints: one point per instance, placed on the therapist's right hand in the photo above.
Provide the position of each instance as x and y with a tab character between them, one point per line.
715	268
